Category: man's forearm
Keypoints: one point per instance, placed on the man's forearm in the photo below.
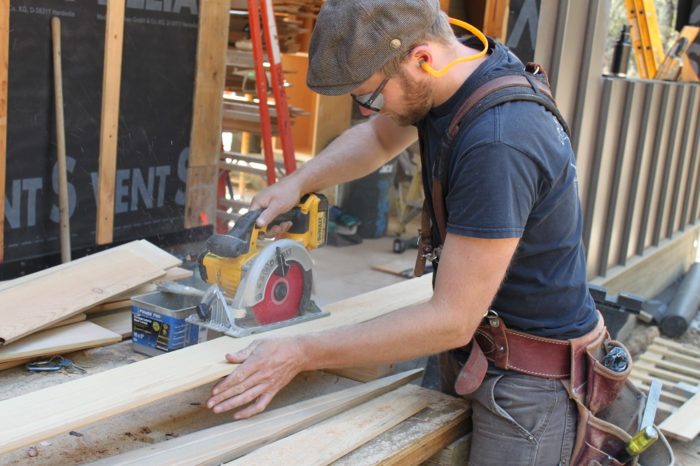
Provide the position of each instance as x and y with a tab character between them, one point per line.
354	154
399	336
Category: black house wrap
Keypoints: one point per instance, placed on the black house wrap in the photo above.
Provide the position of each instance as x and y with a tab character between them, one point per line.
157	83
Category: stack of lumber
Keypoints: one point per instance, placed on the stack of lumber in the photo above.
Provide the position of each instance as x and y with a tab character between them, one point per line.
677	366
45	313
419	422
289	19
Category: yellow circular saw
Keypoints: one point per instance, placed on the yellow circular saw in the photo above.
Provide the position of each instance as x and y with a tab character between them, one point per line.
258	288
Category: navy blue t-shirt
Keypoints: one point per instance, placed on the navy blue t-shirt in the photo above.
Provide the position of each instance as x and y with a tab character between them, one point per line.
513	175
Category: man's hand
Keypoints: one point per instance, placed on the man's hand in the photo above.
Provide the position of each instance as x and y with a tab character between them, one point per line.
266	366
276	199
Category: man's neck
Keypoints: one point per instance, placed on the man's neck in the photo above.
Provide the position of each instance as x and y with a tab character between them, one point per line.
446	86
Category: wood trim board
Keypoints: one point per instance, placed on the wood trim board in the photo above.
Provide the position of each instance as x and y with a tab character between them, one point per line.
328	441
4	77
233	439
38	302
43	413
64	339
109	126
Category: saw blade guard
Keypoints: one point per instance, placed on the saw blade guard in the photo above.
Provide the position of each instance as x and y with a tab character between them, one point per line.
258	271
249	312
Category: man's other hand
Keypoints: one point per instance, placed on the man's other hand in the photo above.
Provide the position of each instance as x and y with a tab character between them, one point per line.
266	366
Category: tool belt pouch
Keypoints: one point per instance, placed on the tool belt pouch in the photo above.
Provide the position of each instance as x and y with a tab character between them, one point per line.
610	407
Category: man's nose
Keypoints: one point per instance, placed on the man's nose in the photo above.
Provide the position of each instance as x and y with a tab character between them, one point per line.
365	112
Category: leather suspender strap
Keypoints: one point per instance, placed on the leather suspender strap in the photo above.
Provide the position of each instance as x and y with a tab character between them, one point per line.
530	85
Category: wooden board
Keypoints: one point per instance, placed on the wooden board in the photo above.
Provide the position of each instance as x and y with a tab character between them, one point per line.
684	424
59	340
37	303
330	440
109	123
231	440
118	322
65	407
71	320
4	59
418	438
11	364
672	364
207	112
141	248
690	71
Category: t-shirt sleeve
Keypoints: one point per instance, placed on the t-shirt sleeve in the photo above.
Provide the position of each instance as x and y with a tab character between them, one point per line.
491	192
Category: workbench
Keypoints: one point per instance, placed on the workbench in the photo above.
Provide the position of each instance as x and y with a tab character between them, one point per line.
411	442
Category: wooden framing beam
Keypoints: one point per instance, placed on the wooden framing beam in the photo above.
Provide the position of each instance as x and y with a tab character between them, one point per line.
51	411
207	113
109	129
4	77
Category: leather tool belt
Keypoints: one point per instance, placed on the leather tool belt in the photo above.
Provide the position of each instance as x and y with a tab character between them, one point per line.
609	405
519	352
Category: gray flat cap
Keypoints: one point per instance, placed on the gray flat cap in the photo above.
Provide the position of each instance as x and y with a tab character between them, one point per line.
353	39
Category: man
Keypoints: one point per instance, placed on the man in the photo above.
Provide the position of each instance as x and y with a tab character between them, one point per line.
513	241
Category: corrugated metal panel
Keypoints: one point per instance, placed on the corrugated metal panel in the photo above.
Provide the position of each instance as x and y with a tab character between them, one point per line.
692	140
691	194
614	225
650	179
681	171
668	160
637	142
640	138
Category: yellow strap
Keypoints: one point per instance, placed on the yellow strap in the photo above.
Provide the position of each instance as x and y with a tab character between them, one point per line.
479	35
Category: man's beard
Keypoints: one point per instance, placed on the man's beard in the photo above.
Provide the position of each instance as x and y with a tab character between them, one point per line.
417	97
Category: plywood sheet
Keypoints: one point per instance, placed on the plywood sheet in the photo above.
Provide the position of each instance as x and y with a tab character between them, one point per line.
65	407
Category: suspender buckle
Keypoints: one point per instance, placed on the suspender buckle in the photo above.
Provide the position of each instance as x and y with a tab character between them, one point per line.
431	254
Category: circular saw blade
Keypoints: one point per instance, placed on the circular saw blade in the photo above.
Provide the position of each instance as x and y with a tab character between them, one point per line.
283	296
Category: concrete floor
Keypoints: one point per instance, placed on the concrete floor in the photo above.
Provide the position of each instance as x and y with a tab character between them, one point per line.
342	272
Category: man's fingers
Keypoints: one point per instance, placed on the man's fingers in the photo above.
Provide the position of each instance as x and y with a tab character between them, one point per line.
240	400
240	356
234	378
255	408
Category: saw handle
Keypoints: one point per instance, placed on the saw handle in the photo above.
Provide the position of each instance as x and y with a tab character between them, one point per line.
238	241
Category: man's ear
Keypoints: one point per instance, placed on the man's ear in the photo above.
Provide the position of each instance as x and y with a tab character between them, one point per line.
422	56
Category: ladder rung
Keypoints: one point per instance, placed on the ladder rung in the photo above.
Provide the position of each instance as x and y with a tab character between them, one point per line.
242	168
233	204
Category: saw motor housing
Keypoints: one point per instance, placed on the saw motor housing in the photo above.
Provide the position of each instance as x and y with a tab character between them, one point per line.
224	261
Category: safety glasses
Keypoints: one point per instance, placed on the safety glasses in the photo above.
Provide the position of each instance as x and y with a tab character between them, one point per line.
373	101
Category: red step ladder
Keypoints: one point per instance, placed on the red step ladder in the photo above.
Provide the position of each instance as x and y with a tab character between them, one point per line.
258	9
261	20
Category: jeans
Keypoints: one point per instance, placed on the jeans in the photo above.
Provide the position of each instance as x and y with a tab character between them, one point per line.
517	419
